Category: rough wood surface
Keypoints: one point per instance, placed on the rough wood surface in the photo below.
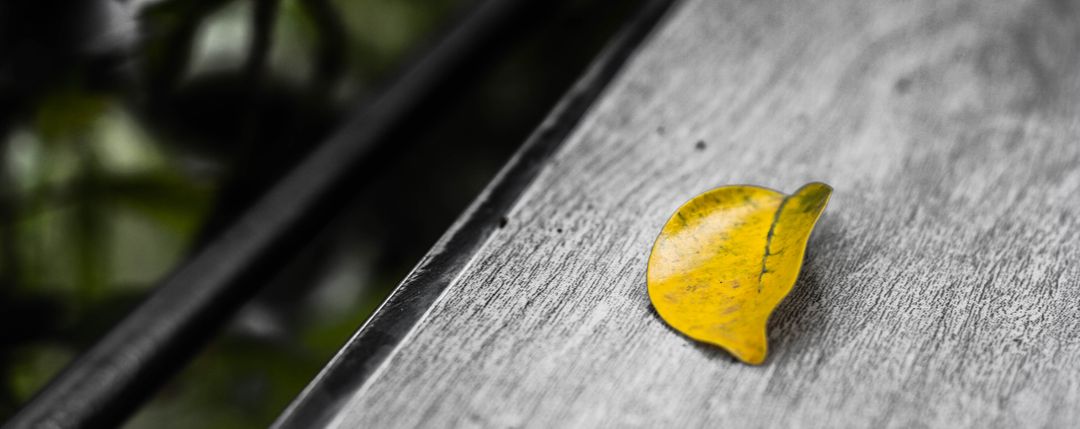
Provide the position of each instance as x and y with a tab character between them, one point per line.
941	288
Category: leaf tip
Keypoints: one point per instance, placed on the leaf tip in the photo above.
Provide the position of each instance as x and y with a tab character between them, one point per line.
752	350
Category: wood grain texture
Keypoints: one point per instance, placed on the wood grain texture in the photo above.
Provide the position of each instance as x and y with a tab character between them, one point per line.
941	288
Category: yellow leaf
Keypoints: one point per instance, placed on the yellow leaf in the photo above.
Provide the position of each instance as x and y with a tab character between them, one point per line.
727	258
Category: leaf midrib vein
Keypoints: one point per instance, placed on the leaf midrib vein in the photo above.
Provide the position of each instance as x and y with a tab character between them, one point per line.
768	241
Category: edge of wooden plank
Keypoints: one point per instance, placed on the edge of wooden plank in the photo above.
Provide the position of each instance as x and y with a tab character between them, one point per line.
379	337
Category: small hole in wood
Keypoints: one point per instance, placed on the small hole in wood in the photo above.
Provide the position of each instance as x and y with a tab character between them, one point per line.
903	85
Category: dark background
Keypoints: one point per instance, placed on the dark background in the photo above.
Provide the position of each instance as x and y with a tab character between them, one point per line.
131	132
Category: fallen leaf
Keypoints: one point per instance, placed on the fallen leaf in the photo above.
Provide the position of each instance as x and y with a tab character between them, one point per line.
727	258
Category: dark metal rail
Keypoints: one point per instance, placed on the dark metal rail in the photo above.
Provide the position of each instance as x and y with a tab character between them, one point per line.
390	324
108	382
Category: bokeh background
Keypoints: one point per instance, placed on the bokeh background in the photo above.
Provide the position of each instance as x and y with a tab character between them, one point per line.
131	132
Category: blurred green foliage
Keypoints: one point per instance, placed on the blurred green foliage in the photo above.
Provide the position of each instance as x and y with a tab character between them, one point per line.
118	164
103	191
87	188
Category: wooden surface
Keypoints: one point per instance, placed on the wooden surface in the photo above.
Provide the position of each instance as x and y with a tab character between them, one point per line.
941	288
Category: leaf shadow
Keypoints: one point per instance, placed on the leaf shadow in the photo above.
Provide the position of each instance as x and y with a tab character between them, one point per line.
708	350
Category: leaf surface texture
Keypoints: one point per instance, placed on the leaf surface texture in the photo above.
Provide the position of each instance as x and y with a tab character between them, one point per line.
727	258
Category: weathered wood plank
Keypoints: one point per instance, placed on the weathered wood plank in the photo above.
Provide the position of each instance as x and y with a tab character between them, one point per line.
941	288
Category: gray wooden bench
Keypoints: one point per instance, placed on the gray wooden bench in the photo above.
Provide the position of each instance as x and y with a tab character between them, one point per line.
941	289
